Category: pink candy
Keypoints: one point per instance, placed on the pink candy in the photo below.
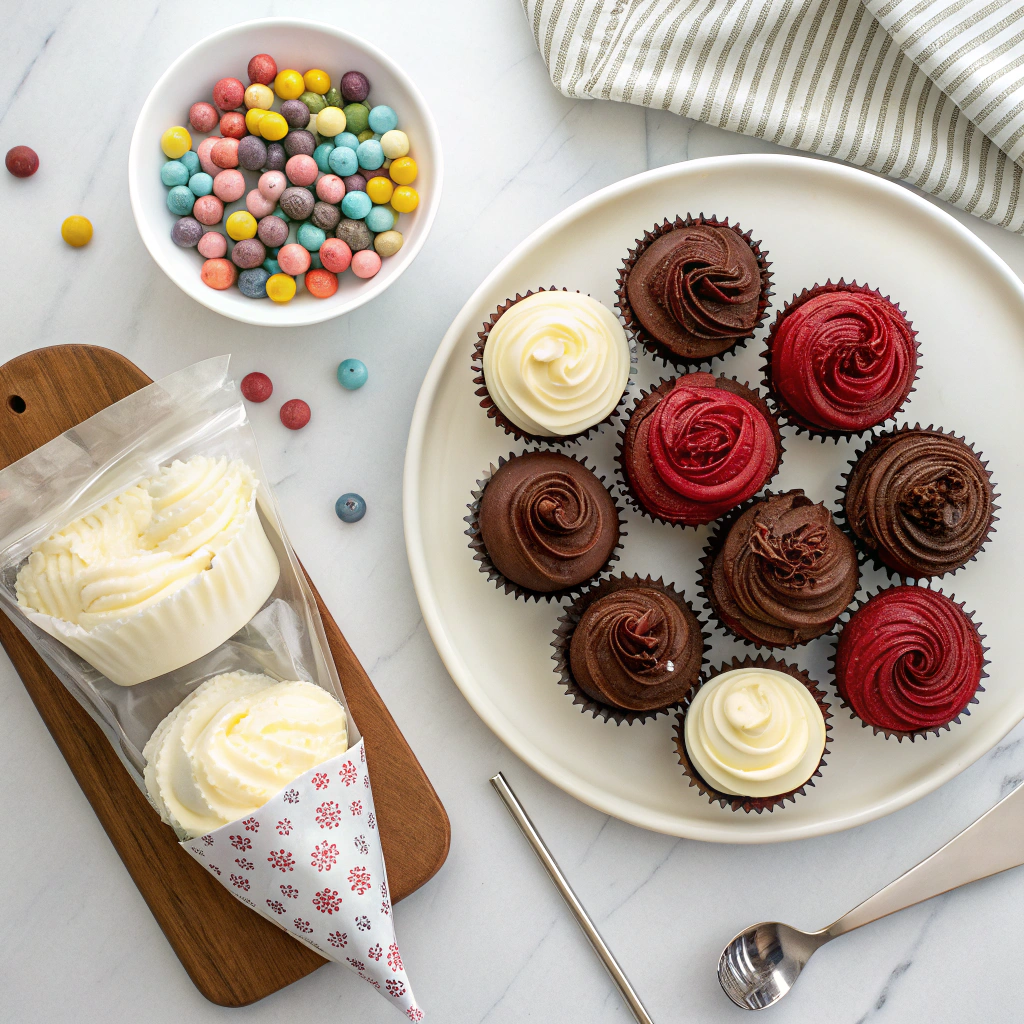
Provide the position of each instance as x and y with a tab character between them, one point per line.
203	117
213	245
330	188
272	184
258	204
208	209
229	185
365	263
205	159
225	153
293	259
301	169
335	255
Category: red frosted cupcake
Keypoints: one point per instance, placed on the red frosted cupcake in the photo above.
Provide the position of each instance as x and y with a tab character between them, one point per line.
909	662
696	447
841	359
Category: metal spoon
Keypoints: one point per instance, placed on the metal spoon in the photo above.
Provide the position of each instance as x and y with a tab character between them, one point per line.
763	962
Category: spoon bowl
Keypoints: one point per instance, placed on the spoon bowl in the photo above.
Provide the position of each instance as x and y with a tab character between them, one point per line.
761	964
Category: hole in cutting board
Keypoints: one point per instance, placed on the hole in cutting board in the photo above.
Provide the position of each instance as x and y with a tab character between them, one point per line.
16	403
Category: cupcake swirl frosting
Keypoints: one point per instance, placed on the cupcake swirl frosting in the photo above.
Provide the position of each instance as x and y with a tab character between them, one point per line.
909	659
754	732
785	572
556	363
921	501
703	446
843	360
636	649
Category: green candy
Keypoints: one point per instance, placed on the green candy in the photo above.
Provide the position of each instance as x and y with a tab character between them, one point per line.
332	98
314	102
357	118
364	135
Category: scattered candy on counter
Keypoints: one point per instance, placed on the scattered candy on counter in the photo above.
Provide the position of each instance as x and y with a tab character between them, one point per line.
332	176
294	413
350	508
22	161
77	231
352	374
256	387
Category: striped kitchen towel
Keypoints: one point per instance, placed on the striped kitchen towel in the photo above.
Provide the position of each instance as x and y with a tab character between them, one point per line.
928	91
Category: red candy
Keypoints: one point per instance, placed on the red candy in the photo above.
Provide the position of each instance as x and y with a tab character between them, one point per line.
225	152
228	93
321	284
257	387
295	414
262	69
22	162
203	116
232	125
219	273
335	255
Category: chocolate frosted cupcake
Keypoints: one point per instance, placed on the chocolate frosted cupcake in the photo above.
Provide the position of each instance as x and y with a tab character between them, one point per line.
909	662
628	649
543	524
693	288
919	502
841	359
753	734
696	447
551	365
780	572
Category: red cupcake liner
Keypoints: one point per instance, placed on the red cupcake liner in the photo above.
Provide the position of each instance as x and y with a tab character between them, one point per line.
913	734
487	567
636	329
869	557
749	803
711	549
499	418
567	624
782	409
665	385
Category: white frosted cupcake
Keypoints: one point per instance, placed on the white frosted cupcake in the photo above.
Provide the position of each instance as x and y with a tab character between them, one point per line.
234	743
552	365
158	576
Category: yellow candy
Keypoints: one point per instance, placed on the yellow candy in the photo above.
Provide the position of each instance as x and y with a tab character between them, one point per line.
395	143
330	121
241	224
273	126
387	243
289	84
404	200
317	81
77	230
280	288
175	142
259	96
253	116
403	170
379	189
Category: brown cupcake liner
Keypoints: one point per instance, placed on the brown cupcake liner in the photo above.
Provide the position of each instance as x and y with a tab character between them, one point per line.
913	734
871	558
713	546
626	487
636	329
486	566
499	418
779	405
567	624
750	803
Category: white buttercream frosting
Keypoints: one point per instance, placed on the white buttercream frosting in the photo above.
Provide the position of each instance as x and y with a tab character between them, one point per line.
158	576
754	732
556	363
234	743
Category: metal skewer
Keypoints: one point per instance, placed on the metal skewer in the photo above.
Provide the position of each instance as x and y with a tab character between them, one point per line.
522	819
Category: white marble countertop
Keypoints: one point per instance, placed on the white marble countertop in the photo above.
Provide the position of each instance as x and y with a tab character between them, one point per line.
488	939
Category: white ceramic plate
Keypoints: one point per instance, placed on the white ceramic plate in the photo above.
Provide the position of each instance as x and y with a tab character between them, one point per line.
817	220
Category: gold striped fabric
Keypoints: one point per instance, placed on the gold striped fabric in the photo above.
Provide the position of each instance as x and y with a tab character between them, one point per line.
928	91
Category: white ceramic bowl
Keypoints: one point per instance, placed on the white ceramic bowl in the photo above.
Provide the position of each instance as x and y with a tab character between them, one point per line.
302	45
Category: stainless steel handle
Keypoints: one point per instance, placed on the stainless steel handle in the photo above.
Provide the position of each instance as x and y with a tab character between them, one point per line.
522	819
994	843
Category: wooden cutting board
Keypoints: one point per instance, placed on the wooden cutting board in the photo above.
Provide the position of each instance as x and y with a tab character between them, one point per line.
234	956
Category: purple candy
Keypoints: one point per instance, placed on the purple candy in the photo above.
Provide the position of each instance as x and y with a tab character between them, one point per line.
186	232
248	253
297	202
276	157
273	231
355	183
355	86
296	113
326	216
252	153
299	143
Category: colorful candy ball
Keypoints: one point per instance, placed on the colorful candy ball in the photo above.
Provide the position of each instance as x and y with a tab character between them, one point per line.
387	243
357	118
186	232
293	259
232	125
228	93
252	153
175	142
253	117
405	199
380	189
301	170
296	113
229	185
299	142
77	231
354	183
297	202
256	386
365	263
403	171
225	153
262	69
335	255
379	219
204	153
281	288
241	225
213	245
276	157
370	155
273	127
258	204
382	119
330	188
326	216
310	237
354	233
356	205
317	81
395	143
219	274
208	210
321	284
295	414
350	508
273	231
352	374
288	84
355	86
272	184
174	172
201	184
190	160
259	96
248	253
331	121
203	117
313	102
180	200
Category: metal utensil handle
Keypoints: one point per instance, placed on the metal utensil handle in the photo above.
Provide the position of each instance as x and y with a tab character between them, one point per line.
522	819
994	843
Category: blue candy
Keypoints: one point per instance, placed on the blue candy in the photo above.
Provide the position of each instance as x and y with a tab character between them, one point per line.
348	140
315	263
310	237
352	374
253	283
284	216
370	155
355	205
383	119
174	172
191	161
271	266
379	219
181	199
343	161
320	155
350	508
200	184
